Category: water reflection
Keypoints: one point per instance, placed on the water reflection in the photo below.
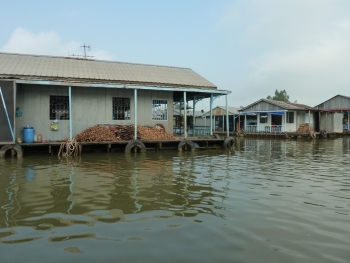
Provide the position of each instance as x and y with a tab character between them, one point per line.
131	184
264	187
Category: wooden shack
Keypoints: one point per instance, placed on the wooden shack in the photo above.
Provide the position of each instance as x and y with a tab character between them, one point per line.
61	96
267	115
335	114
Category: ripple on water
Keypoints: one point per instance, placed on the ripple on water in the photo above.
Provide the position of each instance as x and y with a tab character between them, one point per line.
272	201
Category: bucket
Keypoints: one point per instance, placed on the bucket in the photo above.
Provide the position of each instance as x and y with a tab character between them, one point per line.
28	134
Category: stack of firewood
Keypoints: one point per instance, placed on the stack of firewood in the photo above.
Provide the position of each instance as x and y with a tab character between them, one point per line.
150	133
97	134
122	133
125	133
304	128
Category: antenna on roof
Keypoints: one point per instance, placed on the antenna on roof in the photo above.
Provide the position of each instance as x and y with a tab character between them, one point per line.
86	47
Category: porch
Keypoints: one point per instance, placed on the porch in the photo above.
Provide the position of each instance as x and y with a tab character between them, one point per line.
266	122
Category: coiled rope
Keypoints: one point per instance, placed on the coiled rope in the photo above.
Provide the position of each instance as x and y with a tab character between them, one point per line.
69	148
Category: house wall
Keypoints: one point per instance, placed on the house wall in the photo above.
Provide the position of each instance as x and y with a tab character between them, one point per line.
303	118
291	127
331	122
336	102
338	122
201	122
90	106
323	121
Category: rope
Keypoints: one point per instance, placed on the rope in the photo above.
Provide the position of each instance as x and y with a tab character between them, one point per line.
69	148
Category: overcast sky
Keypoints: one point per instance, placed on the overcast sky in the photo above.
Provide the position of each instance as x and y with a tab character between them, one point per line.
250	47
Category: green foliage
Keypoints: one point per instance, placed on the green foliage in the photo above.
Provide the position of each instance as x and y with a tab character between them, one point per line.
280	96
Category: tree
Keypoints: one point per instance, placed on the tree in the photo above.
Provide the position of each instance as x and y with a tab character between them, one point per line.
280	95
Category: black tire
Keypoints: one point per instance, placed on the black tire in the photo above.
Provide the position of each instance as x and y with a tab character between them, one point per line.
15	147
189	143
137	144
19	150
229	142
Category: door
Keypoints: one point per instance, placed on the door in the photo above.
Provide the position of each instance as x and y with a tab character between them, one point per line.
7	88
317	121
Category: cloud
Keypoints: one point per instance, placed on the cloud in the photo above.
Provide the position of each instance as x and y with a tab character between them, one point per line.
47	43
300	46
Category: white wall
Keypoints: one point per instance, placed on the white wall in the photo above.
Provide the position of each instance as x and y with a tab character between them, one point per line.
90	106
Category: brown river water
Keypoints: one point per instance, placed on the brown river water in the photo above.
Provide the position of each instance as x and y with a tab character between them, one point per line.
269	201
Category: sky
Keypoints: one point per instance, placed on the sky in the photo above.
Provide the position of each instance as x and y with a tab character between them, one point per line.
250	47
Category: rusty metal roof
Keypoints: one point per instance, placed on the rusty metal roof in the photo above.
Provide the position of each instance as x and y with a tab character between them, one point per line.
35	67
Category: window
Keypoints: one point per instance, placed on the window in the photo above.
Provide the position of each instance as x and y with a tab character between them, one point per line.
59	108
290	117
121	108
263	117
160	110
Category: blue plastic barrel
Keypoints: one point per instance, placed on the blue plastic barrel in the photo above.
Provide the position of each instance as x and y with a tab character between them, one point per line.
28	134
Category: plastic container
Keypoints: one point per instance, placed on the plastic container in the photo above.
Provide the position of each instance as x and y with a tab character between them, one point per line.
28	134
39	138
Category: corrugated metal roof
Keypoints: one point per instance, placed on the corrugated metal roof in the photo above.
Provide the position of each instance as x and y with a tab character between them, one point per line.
35	67
233	110
339	95
282	104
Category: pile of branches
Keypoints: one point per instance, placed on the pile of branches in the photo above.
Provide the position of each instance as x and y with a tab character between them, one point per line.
97	134
122	133
125	133
150	133
304	128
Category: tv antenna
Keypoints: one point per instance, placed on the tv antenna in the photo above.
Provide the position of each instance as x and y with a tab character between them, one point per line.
86	48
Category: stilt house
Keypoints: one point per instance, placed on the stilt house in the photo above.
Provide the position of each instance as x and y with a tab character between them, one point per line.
267	115
76	94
